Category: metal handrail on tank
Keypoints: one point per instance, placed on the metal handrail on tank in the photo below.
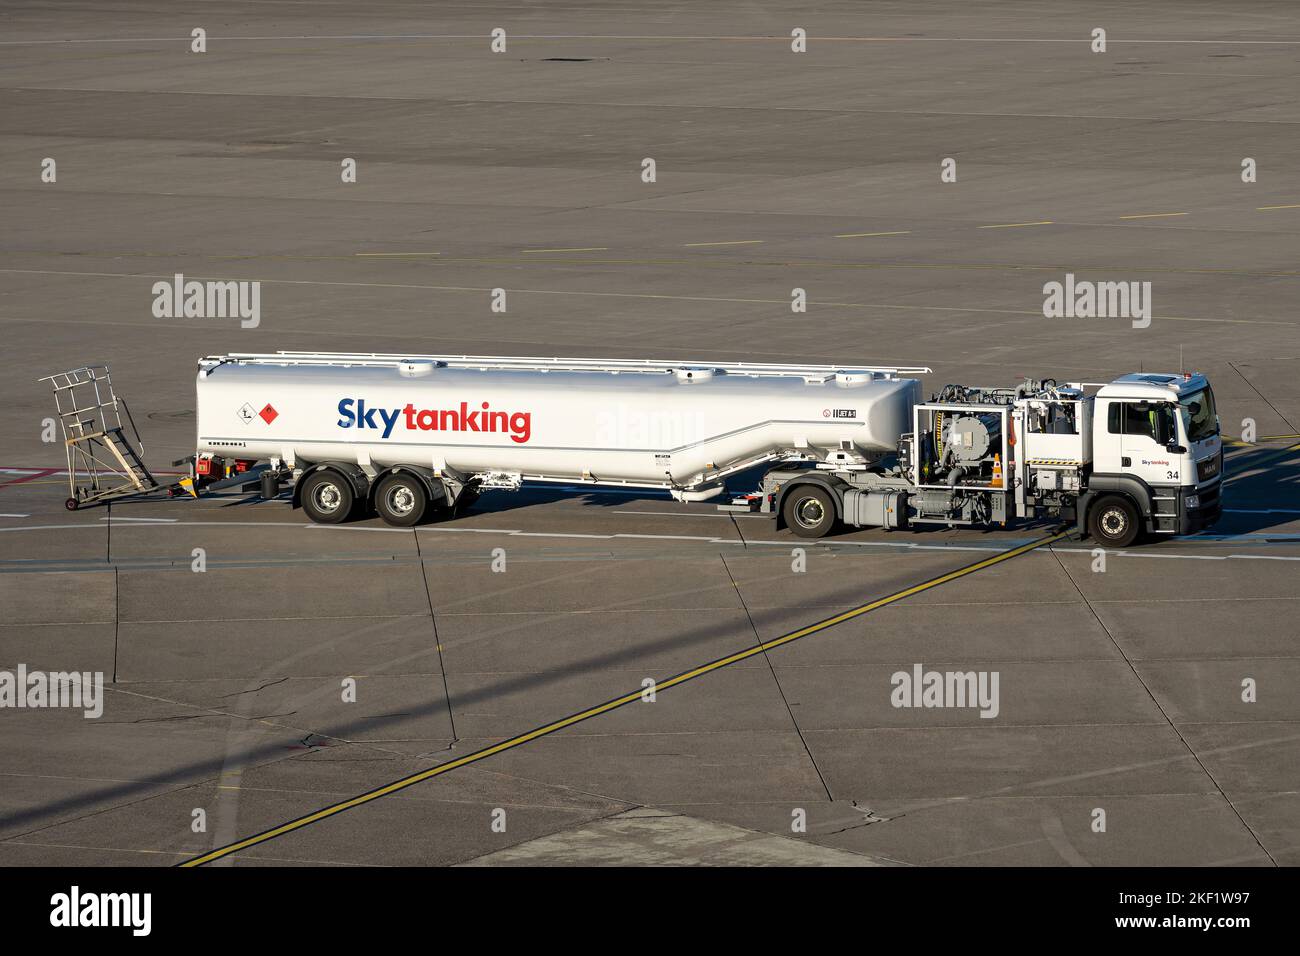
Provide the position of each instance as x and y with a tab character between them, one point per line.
531	363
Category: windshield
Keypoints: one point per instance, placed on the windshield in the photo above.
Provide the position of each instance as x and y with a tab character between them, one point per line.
1200	419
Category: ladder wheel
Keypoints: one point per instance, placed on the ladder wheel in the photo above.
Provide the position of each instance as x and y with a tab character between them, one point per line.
71	504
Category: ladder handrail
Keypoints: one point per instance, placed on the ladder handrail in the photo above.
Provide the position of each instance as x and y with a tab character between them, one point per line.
134	431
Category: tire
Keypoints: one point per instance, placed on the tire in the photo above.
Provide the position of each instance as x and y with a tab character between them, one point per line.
327	497
401	500
809	511
71	504
1114	521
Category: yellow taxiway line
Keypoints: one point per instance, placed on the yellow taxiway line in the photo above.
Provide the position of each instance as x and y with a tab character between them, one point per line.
596	711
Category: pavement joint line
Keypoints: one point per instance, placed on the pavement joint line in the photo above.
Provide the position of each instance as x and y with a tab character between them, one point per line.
1255	388
1164	713
776	678
617	702
1154	215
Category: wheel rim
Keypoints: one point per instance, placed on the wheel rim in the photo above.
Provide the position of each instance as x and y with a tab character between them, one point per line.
400	500
1114	522
809	512
327	496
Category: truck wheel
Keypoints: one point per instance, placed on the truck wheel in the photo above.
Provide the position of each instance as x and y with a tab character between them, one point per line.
401	500
809	511
327	497
1114	521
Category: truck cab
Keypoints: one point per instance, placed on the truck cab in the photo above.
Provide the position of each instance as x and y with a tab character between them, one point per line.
1137	456
1157	458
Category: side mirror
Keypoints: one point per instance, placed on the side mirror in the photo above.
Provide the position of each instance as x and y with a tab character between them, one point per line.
1175	449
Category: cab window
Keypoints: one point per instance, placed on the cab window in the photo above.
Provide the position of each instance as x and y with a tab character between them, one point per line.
1153	420
1200	419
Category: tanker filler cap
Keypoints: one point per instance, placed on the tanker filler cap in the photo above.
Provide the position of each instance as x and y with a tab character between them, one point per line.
694	373
850	377
416	368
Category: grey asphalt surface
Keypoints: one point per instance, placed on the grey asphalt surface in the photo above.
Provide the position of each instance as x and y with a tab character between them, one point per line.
1120	691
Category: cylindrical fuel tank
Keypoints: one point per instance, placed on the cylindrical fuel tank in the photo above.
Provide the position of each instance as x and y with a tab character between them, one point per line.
668	425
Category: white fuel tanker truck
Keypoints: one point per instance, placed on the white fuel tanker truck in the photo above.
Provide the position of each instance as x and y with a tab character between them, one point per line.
411	437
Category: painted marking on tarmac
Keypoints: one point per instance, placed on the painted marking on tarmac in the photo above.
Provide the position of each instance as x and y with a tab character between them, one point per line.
24	478
617	702
1256	540
681	298
1292	206
1014	225
864	235
580	249
143	520
639	37
733	242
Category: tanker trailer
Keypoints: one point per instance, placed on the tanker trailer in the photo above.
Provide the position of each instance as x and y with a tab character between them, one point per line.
408	437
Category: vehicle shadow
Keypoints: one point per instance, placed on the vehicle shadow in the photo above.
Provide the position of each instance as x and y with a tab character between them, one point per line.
1261	488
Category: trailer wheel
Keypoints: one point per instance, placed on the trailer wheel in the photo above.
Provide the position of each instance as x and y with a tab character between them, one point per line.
1113	520
71	504
809	511
401	500
327	497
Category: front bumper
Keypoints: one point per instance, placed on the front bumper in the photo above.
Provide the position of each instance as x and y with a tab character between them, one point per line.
1208	509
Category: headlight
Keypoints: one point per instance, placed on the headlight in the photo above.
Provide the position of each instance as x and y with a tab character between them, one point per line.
1193	501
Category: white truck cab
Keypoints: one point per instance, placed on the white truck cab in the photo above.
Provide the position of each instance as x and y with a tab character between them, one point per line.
1137	456
1156	443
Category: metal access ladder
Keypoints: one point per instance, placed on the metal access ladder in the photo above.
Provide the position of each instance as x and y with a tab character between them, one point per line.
102	462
